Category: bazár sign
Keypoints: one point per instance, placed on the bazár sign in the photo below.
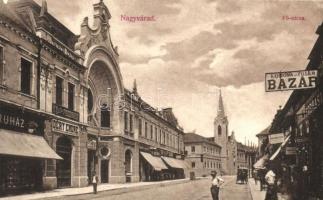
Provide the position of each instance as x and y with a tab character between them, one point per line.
293	80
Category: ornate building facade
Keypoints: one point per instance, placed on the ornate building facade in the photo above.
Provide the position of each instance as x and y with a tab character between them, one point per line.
62	99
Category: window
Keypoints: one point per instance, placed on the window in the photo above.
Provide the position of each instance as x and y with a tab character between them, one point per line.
105	116
193	164
131	123
89	101
164	138
25	84
71	95
1	65
140	127
156	134
192	148
146	129
125	120
160	136
59	91
219	130
151	132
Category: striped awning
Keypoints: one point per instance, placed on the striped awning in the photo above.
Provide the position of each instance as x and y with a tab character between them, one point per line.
175	163
154	161
25	145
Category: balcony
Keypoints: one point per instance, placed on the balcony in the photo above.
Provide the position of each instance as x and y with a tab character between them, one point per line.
65	112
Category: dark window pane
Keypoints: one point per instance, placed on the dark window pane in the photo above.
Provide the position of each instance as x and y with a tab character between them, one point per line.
105	117
125	120
25	84
71	88
59	91
1	65
90	100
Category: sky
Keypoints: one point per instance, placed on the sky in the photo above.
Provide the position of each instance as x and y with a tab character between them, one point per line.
193	48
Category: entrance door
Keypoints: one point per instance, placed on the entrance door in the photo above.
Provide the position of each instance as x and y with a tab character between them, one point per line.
63	167
104	171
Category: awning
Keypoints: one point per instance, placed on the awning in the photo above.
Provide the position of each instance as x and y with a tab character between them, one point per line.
155	162
279	149
260	164
26	145
175	163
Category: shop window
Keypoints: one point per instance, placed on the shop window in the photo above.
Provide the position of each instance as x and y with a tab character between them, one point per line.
125	120
105	116
25	76
71	94
89	100
59	91
1	65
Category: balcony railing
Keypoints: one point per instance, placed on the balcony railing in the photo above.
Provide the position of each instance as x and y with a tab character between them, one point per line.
65	112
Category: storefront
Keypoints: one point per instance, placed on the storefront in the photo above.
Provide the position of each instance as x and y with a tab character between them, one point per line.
23	150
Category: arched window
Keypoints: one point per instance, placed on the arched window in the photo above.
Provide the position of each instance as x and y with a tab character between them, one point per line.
89	100
219	130
105	116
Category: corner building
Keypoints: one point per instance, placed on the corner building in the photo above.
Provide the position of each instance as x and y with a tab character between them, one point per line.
62	97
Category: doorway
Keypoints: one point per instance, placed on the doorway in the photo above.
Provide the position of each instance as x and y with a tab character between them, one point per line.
104	171
63	167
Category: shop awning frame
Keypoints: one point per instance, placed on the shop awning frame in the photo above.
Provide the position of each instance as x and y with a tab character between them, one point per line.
14	143
279	148
155	162
260	164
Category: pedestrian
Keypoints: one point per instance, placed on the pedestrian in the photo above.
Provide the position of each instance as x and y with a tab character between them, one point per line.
216	183
255	176
95	182
271	180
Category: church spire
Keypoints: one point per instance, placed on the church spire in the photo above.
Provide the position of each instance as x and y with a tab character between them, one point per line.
221	107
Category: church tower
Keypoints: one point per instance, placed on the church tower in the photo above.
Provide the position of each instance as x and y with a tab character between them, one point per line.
221	133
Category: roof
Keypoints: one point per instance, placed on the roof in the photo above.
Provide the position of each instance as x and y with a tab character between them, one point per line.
31	16
195	138
264	132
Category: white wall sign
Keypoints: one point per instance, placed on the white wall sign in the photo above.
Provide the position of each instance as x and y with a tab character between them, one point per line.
292	80
276	138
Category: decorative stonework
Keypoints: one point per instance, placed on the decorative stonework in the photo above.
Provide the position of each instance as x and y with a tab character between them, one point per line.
99	35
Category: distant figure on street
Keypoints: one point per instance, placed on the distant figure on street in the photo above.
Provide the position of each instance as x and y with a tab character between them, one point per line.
95	182
270	178
216	183
255	176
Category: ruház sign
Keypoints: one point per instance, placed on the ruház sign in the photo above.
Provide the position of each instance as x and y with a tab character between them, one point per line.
292	80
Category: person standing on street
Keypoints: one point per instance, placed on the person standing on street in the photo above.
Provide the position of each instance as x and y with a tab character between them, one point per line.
95	182
216	183
270	178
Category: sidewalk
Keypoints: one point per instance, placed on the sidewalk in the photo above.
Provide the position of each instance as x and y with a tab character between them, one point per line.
260	195
103	187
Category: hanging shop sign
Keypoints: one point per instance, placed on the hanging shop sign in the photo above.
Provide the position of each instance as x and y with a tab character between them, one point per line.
291	80
91	144
65	128
276	138
291	150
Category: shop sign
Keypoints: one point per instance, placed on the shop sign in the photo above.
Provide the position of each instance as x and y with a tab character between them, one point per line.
291	80
91	144
276	138
65	128
12	121
291	150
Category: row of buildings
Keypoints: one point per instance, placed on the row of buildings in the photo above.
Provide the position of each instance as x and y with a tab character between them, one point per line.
64	111
298	159
222	152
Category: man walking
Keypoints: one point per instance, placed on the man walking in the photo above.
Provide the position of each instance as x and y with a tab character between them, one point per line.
95	182
216	183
